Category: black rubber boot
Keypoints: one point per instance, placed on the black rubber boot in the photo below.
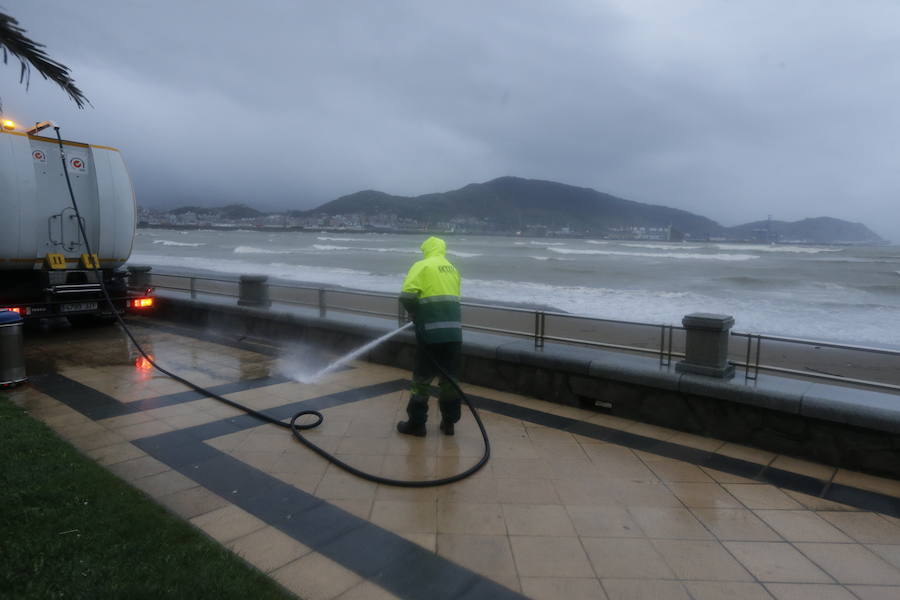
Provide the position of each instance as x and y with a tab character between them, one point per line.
447	427
407	428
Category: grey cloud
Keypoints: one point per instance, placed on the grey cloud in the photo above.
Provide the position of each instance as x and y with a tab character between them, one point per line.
732	110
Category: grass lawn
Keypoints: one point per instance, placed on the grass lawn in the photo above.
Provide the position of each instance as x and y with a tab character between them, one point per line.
71	529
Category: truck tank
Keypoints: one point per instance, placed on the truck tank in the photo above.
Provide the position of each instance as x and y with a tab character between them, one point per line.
45	269
38	218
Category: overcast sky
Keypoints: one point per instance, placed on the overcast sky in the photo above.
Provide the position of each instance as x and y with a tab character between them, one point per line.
730	109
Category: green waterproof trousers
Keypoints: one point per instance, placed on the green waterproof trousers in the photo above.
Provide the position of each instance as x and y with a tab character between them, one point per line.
448	356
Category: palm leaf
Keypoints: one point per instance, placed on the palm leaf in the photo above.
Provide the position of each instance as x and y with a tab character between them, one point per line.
31	54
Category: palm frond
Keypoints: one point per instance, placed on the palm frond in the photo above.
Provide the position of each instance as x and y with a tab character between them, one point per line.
31	54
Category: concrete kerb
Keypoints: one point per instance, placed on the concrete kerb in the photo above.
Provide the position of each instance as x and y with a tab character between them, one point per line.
631	386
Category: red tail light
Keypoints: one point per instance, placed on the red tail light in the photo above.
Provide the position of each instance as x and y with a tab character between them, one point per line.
141	302
19	310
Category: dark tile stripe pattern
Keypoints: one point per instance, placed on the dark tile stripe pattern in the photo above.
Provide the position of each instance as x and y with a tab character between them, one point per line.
97	405
864	499
394	563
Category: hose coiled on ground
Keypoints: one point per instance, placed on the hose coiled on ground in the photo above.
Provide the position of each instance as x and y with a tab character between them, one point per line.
292	425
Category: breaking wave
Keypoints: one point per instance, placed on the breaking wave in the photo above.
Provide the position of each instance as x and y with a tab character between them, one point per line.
663	246
727	257
254	250
342	239
171	243
327	247
765	248
553	258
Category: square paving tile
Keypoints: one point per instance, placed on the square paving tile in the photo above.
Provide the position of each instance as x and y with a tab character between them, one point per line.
676	470
801	526
777	562
761	496
626	558
603	521
538	556
405	517
890	553
851	563
228	523
642	589
192	502
809	591
526	491
735	524
704	495
268	549
865	527
489	555
537	519
674	523
315	577
875	592
730	590
551	588
466	517
708	561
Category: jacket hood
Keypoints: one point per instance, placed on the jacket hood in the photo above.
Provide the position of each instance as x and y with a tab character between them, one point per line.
434	247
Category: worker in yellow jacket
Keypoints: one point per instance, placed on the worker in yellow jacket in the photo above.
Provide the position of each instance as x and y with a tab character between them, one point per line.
430	295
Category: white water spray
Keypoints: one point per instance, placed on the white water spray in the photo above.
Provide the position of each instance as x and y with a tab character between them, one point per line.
314	377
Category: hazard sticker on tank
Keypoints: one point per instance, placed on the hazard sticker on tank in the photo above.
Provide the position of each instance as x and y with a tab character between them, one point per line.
76	163
39	156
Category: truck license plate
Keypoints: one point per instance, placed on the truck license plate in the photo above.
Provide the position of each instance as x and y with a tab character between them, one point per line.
79	306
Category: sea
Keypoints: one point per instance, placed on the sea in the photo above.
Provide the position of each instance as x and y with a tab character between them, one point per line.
848	294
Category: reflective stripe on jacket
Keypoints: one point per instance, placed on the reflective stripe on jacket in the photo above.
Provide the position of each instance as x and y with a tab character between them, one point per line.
431	293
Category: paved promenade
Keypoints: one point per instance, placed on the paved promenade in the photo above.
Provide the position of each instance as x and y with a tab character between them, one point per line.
573	504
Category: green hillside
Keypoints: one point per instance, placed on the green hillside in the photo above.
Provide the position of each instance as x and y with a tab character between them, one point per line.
511	203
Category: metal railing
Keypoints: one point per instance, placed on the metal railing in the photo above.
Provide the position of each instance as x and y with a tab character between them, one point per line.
784	355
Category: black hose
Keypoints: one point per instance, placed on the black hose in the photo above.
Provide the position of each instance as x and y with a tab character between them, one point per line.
292	425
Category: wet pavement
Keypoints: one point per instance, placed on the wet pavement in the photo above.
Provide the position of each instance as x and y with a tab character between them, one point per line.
573	504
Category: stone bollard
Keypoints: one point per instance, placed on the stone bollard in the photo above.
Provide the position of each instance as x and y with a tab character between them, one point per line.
254	291
139	277
706	347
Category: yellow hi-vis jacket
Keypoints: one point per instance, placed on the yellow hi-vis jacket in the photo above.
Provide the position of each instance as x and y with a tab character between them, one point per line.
430	295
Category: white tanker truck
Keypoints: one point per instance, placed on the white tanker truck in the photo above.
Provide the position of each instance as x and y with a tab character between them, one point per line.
45	267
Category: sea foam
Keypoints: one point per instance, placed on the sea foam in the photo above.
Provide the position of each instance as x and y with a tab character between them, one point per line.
726	257
254	250
171	243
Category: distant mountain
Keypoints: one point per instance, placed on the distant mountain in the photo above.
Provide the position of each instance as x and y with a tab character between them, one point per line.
512	203
821	230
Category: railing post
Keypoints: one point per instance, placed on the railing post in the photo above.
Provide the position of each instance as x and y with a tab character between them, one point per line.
539	324
758	345
253	291
323	307
665	356
193	288
706	345
662	345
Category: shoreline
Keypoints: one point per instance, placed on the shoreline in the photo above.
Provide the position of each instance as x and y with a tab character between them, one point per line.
509	234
